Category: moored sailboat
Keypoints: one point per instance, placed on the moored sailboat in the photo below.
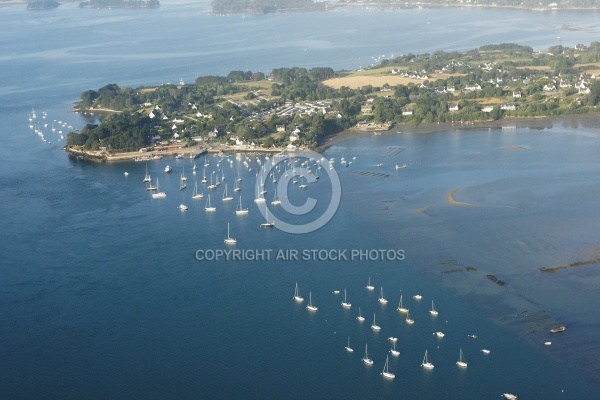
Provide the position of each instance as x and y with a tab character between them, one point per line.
462	363
310	306
346	303
366	358
386	370
426	364
297	296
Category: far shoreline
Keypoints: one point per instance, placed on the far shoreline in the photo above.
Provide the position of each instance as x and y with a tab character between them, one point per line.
591	120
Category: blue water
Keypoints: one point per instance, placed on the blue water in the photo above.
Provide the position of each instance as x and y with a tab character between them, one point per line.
101	296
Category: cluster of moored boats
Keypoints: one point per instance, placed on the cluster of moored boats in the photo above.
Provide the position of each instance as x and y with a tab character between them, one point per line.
298	171
40	126
402	309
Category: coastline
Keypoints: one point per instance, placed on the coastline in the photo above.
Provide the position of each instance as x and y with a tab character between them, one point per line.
540	123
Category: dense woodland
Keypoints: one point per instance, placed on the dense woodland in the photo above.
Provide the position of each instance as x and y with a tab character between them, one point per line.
471	86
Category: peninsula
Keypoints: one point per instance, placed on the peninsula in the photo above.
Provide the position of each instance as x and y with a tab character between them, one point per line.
298	107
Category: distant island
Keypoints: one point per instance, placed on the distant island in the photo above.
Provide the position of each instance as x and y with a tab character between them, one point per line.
119	4
266	6
299	108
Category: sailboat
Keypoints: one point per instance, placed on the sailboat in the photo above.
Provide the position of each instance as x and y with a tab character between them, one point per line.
229	239
426	364
204	177
409	320
149	187
147	178
267	223
195	167
360	318
225	196
393	350
240	210
375	327
345	303
303	185
348	348
236	188
401	308
212	185
158	194
461	361
366	358
183	177
386	370
310	306
433	311
369	286
196	195
382	299
297	296
259	198
276	201
182	180
208	206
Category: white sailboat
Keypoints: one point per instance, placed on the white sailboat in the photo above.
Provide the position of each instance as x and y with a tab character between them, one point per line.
147	178
310	306
401	308
208	206
267	223
375	327
366	358
462	363
236	188
369	286
276	201
360	318
149	187
433	310
297	296
409	320
259	198
382	299
426	364
183	177
345	303
386	370
196	195
393	350
303	184
182	182
203	181
240	210
212	185
158	194
229	239
348	348
226	197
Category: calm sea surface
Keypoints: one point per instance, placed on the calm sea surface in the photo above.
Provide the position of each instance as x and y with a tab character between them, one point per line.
100	292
